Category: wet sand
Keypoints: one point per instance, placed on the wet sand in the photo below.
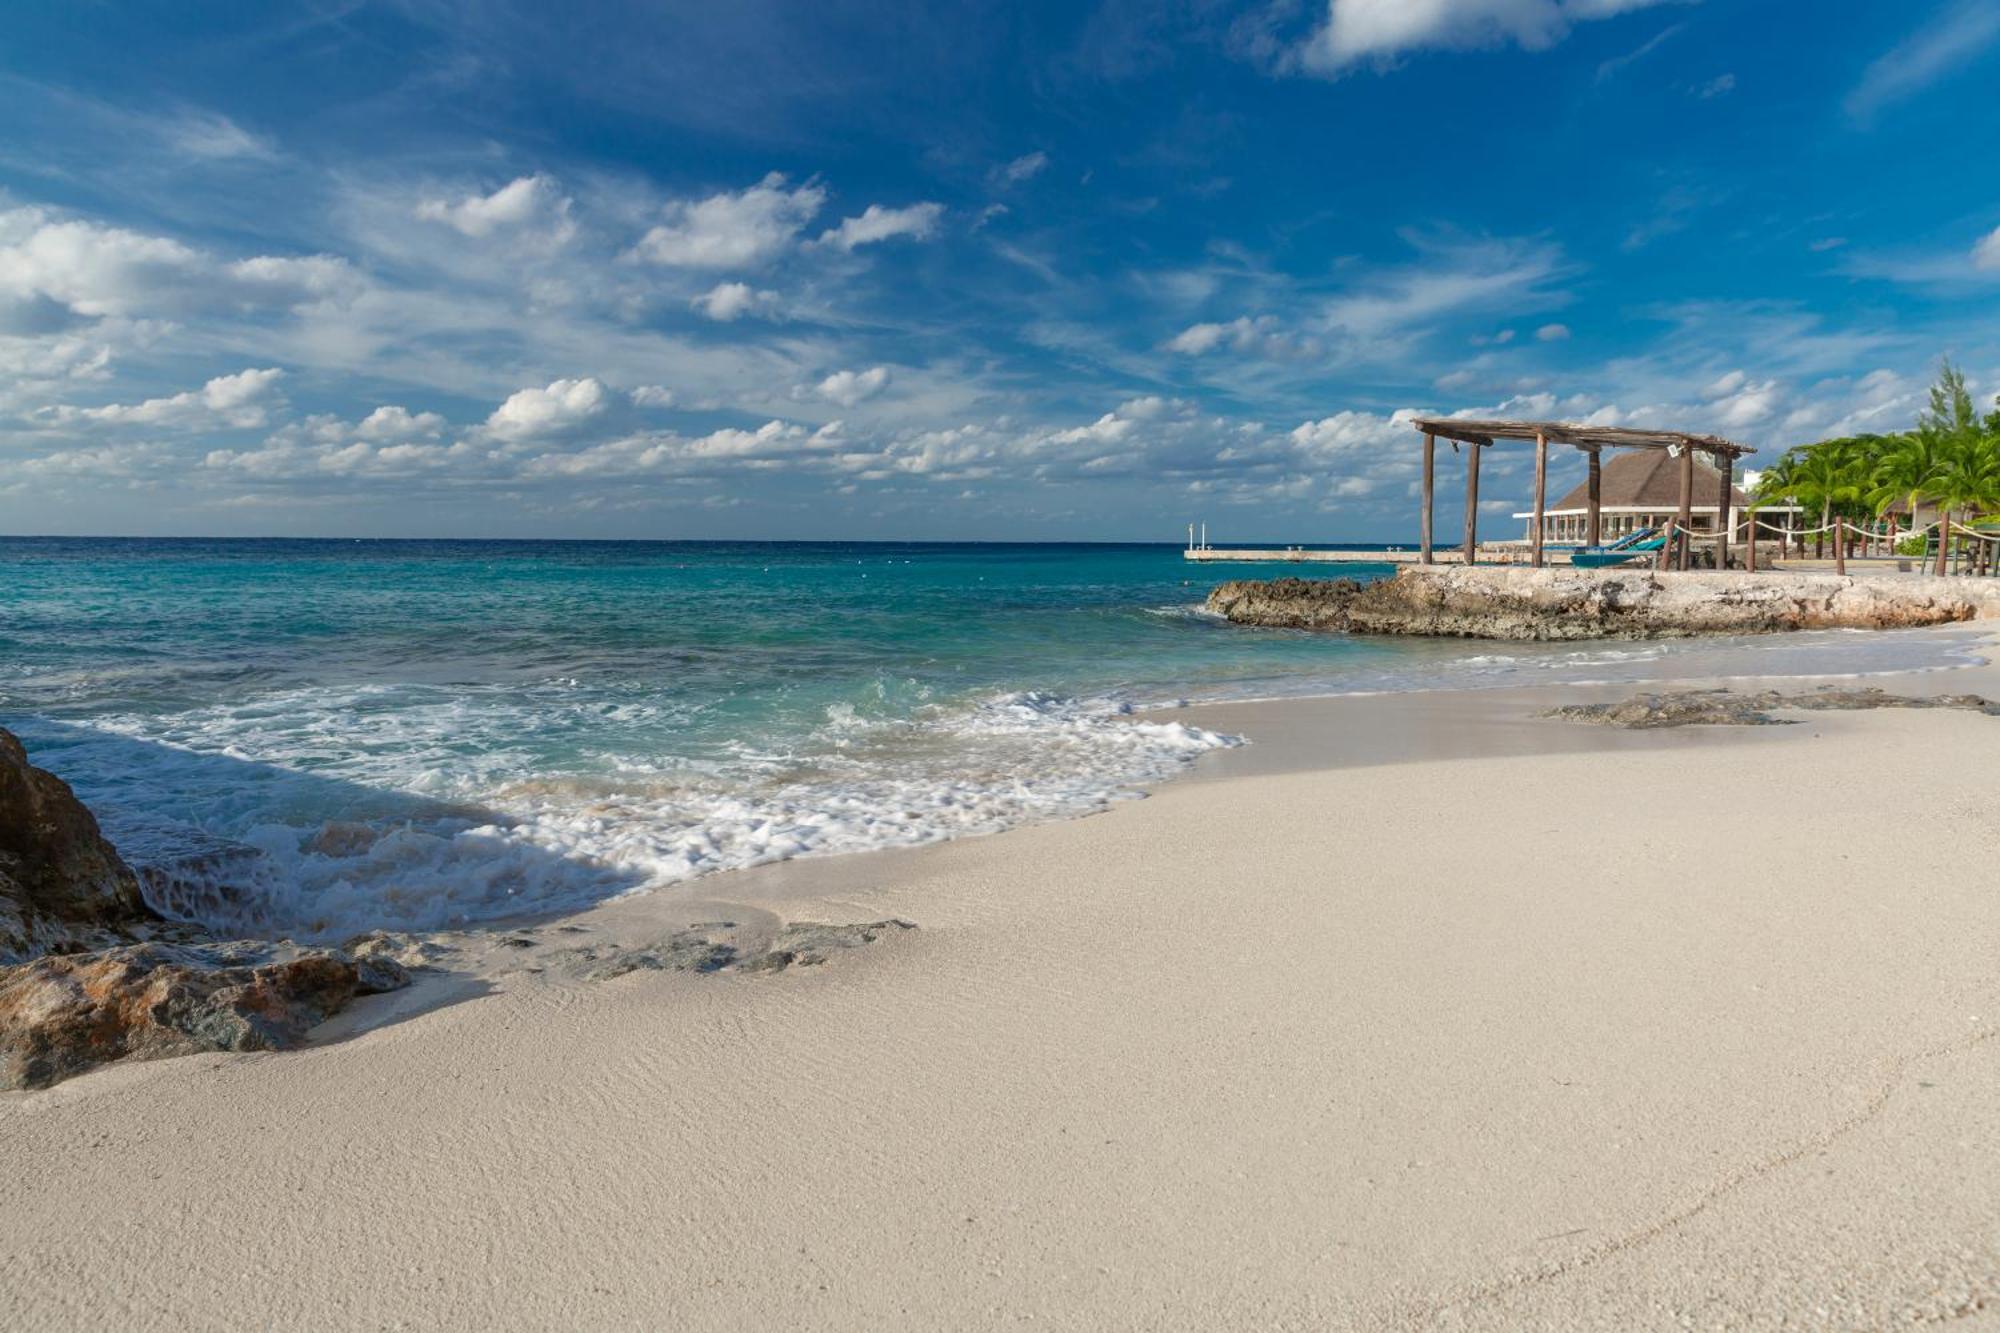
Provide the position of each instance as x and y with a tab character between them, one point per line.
1421	1011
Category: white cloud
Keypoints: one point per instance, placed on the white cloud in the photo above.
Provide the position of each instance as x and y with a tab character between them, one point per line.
243	401
98	271
1243	334
398	423
652	395
1986	254
1456	276
209	136
848	387
728	301
1952	39
1552	333
1025	167
733	230
876	223
1380	30
562	405
520	203
1719	86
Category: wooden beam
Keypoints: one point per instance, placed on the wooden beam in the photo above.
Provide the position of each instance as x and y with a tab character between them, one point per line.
1471	502
1430	490
1724	514
1686	517
1593	528
1750	551
1535	534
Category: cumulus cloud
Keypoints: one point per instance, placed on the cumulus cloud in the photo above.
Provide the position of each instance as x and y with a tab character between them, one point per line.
1552	333
530	200
738	230
876	223
1380	30
728	301
98	271
848	387
652	395
535	412
243	401
398	423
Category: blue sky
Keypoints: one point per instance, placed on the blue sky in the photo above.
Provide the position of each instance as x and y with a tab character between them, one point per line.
979	270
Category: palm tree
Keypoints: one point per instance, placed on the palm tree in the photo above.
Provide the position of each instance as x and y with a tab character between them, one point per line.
1954	435
1968	481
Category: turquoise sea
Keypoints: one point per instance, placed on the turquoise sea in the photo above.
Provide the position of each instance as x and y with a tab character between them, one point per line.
313	737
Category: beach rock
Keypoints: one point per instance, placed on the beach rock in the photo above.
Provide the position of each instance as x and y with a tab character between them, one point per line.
1726	708
60	1016
713	947
809	943
62	886
1568	604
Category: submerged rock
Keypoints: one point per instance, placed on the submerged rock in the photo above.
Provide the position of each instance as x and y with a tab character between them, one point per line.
1567	604
62	886
62	1015
1726	708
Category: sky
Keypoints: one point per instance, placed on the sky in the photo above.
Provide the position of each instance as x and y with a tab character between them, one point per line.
989	270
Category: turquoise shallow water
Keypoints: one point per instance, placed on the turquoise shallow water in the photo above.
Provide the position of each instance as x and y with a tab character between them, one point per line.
318	736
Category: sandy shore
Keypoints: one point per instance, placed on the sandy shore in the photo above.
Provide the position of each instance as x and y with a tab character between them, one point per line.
1420	1011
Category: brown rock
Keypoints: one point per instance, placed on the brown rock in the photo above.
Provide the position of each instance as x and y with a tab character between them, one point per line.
60	1016
62	886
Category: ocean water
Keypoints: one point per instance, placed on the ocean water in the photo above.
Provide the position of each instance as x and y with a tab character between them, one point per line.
317	737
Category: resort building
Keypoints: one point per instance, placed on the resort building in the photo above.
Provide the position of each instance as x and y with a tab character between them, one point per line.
1641	490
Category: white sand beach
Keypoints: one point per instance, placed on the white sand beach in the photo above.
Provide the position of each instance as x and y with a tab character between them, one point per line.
1418	1012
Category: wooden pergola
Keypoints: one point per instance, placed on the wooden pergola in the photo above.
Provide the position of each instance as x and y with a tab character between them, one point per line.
1592	440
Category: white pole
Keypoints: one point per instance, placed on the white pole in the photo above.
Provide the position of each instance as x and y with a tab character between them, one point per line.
1190	536
1204	536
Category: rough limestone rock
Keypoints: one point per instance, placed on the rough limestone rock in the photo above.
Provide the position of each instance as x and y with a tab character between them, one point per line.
62	1015
1726	708
1566	604
62	886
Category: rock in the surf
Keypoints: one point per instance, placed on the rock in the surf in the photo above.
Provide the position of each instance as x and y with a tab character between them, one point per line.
62	886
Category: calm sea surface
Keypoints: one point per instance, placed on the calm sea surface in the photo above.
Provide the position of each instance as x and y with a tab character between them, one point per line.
319	736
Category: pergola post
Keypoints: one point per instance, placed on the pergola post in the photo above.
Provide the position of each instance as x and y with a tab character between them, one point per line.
1471	501
1726	515
1541	498
1430	490
1686	518
1592	529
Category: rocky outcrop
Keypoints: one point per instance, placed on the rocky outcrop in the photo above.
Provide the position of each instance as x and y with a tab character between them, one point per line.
65	1014
1566	604
62	886
1726	708
98	976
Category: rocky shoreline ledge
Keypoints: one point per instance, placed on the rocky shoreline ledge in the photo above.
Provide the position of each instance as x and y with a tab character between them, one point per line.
89	973
1569	604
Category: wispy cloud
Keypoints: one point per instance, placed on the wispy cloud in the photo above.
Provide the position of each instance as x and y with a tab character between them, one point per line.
1957	36
1358	31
